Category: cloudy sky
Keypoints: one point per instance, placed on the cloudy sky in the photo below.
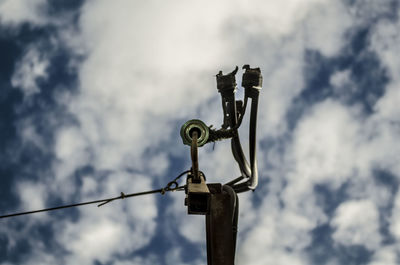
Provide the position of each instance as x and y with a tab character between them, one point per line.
93	94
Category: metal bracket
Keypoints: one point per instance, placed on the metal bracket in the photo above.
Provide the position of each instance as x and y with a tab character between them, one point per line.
197	196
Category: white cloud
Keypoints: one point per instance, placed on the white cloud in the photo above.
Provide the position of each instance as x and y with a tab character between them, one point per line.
357	223
332	144
28	131
384	256
313	25
29	69
14	12
395	218
324	144
97	240
275	19
321	153
71	150
33	196
340	79
276	235
174	257
115	228
191	227
342	83
279	90
151	260
384	41
324	31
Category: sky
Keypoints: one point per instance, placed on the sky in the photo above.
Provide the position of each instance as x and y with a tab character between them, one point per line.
93	95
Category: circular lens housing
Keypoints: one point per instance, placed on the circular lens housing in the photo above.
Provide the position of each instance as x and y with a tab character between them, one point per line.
189	127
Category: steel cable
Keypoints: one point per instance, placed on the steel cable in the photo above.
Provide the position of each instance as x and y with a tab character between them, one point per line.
101	202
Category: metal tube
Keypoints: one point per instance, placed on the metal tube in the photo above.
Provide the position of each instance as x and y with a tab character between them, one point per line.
221	226
235	142
252	182
253	144
195	158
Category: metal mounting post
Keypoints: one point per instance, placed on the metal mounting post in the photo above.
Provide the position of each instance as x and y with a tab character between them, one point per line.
197	193
195	157
221	225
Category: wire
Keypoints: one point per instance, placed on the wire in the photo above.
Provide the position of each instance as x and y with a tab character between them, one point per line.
169	187
252	182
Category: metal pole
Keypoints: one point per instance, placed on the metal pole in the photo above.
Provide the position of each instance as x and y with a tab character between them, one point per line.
221	225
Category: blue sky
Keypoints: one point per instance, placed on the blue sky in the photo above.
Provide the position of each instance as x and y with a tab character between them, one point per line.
93	94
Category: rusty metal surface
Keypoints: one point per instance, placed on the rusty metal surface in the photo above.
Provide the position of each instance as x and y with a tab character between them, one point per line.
195	157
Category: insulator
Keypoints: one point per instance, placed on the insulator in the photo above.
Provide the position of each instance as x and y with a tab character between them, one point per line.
195	125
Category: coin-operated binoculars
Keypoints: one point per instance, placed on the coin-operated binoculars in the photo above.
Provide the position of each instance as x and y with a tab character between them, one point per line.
218	202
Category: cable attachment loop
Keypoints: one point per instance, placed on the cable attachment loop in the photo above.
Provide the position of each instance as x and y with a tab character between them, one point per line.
170	184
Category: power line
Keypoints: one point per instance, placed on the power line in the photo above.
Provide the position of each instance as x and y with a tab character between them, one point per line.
171	186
